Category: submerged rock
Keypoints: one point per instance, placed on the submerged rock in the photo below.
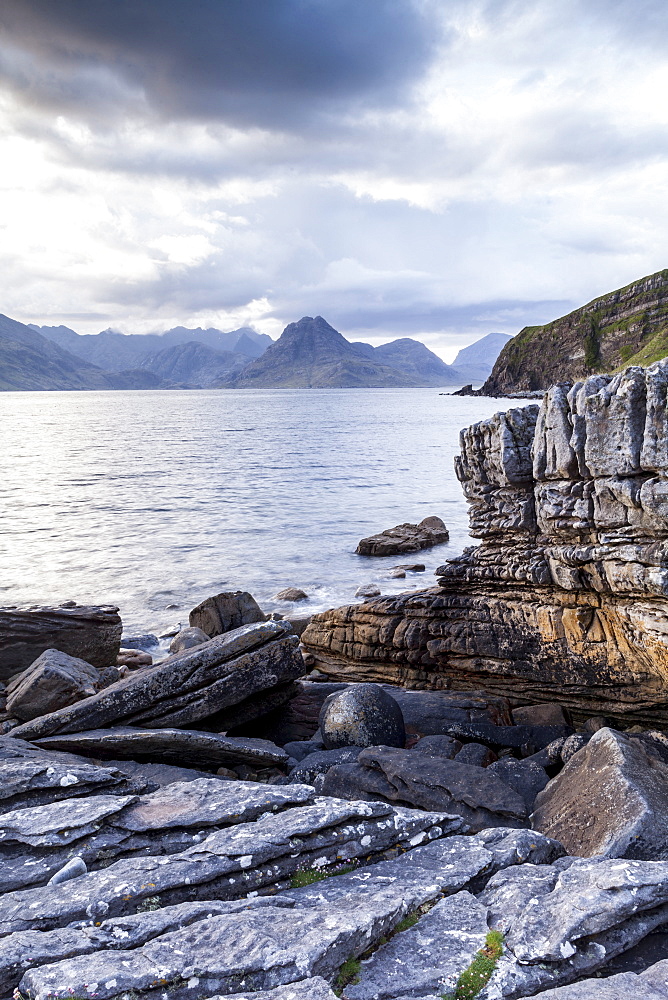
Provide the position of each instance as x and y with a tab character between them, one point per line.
405	538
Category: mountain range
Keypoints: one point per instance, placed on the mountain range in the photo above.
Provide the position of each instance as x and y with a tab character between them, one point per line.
309	353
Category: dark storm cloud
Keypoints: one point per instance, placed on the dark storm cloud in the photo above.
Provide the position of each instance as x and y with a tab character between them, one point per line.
272	63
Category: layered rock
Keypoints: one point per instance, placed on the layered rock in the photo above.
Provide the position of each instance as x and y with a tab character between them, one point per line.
92	634
233	672
565	599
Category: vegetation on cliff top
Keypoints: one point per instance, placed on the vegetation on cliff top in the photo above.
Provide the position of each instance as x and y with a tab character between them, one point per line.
626	327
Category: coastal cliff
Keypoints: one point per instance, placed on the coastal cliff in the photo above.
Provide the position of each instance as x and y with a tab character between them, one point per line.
626	327
566	596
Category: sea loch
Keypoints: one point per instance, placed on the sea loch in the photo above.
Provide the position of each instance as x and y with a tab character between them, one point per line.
153	500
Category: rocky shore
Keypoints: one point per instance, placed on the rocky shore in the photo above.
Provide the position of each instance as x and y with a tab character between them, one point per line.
465	799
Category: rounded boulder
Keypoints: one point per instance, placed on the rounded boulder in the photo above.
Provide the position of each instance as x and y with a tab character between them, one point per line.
364	715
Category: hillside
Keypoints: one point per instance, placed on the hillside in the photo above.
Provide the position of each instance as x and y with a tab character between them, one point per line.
475	362
312	354
30	361
626	327
194	365
417	361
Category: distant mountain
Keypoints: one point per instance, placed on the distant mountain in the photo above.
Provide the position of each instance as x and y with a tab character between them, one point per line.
312	354
115	351
195	366
476	361
416	360
30	361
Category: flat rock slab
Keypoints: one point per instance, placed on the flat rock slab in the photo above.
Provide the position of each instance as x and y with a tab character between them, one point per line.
405	538
306	989
289	940
500	737
92	633
169	746
227	863
186	687
607	799
434	952
649	985
31	776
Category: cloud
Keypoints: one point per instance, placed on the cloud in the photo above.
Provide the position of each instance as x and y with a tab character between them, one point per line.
402	167
273	63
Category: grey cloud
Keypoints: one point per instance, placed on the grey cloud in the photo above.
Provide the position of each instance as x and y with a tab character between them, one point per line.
270	62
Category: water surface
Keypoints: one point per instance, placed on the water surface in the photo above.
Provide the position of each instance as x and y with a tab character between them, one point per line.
155	500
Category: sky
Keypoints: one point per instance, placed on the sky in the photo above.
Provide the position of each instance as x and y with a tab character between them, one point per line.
436	169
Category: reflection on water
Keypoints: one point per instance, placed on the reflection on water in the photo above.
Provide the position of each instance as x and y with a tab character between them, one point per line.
154	500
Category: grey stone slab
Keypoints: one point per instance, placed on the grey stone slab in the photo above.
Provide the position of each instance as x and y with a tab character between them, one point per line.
209	802
625	986
59	823
169	746
31	776
480	798
29	949
185	687
226	864
306	989
99	828
254	950
428	957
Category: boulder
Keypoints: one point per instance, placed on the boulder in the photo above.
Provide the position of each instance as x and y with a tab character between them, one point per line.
480	798
53	681
317	764
133	658
188	638
181	747
292	594
550	714
225	612
298	624
526	739
144	641
397	574
362	716
606	800
438	746
526	776
368	590
476	754
405	538
572	745
89	633
186	687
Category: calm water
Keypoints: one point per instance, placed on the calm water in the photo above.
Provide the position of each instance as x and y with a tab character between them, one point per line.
154	500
